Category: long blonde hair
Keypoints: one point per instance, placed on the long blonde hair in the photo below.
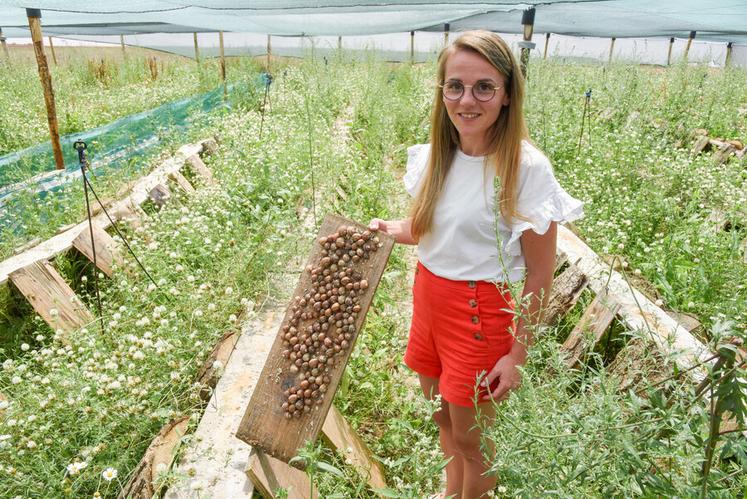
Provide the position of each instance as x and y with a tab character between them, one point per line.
506	134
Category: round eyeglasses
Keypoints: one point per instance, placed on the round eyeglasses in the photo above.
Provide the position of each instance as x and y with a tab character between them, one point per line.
482	91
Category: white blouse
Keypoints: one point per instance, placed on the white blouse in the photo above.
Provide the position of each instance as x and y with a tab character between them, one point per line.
461	244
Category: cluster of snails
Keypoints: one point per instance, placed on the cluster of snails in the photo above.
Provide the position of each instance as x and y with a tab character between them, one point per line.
321	326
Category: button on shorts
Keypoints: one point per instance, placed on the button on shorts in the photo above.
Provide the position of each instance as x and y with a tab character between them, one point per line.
459	331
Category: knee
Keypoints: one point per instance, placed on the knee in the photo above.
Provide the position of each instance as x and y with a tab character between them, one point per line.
467	443
441	418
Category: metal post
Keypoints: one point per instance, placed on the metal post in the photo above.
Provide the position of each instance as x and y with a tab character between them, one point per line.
197	49
223	66
547	42
51	48
446	34
269	51
412	47
527	20
727	61
34	17
689	43
669	53
612	50
5	46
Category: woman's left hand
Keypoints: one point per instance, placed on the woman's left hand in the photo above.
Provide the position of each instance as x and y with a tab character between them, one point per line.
507	373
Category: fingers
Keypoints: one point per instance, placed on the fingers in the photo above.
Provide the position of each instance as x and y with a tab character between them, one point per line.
374	224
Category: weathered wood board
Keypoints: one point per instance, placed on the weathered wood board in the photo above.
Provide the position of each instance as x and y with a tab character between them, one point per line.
199	168
566	289
269	474
182	182
265	425
589	329
51	297
107	252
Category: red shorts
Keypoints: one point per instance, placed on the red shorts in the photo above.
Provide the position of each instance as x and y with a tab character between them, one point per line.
459	331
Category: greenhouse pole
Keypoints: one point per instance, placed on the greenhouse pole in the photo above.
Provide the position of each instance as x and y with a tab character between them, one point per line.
612	50
547	42
5	46
223	66
689	44
527	20
339	43
669	54
51	48
727	61
412	47
269	51
446	34
121	42
34	17
197	49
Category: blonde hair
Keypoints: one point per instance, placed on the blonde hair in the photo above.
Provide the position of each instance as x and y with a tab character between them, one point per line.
505	136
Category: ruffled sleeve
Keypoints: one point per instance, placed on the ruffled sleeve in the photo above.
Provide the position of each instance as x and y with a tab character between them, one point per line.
541	200
417	162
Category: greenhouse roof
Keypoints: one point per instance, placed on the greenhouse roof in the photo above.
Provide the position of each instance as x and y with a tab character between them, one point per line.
716	20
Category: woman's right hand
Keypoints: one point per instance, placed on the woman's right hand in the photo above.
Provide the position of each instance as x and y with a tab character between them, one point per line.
398	229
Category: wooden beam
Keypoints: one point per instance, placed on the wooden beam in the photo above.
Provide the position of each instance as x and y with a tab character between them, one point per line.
51	297
690	39
727	60
589	330
199	168
122	44
182	182
5	46
265	425
125	207
197	49
34	17
223	66
612	50
269	474
669	52
566	290
107	249
446	34
339	44
269	51
527	21
412	47
547	42
342	437
51	48
160	194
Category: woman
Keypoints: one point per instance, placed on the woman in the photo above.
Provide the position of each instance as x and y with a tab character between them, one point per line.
465	342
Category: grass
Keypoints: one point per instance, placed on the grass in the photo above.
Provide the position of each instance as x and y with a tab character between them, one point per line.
101	398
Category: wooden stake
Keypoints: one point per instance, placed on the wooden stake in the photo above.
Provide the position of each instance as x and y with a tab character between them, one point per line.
51	48
727	61
269	474
223	66
34	17
612	50
669	53
689	44
5	46
269	51
108	253
122	44
527	20
339	43
197	49
589	329
547	42
446	34
412	47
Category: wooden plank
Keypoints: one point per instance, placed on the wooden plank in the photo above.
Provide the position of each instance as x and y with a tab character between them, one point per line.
209	146
588	331
199	168
266	425
566	289
51	297
160	194
63	241
269	474
341	436
182	182
107	249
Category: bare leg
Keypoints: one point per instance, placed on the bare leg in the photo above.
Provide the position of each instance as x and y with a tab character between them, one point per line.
466	436
454	469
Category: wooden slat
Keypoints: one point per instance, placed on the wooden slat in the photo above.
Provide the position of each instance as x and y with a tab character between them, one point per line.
160	194
264	425
341	436
199	168
107	249
46	290
209	146
566	288
269	474
182	182
589	329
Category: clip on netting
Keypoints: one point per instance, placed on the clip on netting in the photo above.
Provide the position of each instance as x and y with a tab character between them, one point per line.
81	147
585	118
267	80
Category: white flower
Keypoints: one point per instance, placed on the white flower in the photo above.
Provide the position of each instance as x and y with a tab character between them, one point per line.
4	405
217	365
229	290
31	444
232	318
74	468
39	337
109	474
16	380
138	355
54	312
25	347
502	489
211	306
659	303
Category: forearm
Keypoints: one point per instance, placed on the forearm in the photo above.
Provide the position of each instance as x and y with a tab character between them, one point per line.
535	297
